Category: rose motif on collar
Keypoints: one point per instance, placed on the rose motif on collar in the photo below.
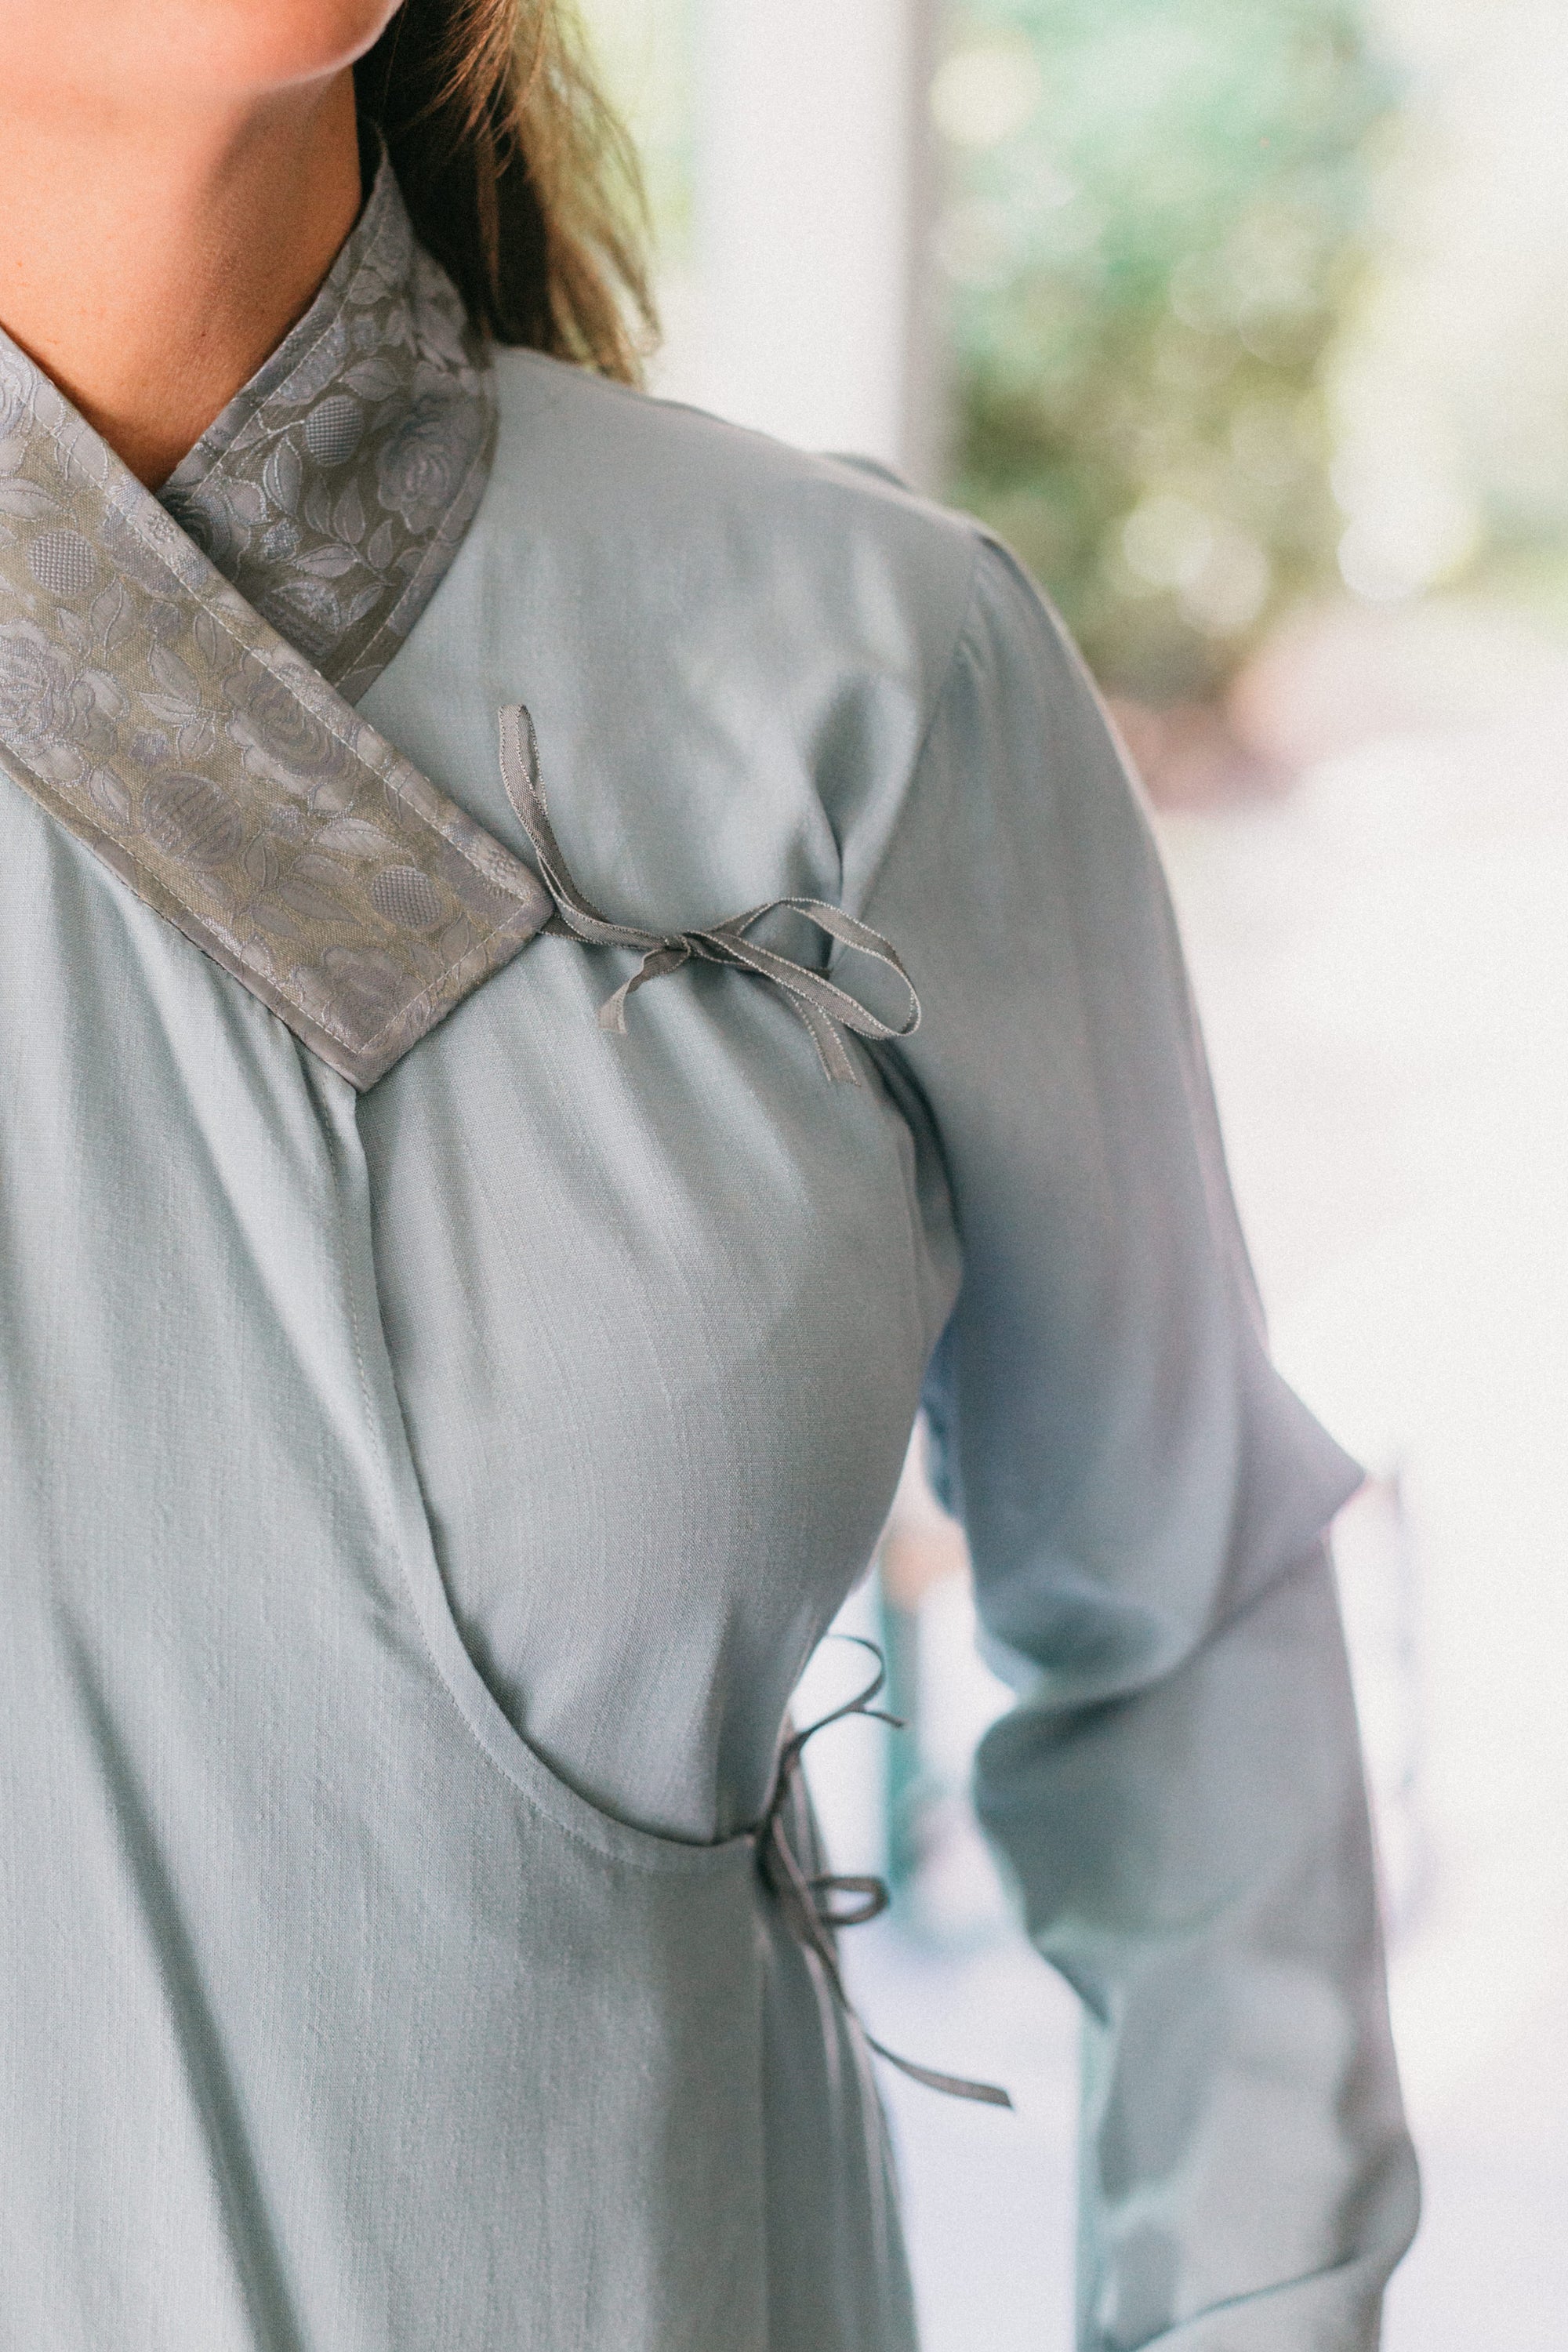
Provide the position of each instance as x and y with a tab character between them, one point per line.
418	468
38	679
281	739
334	491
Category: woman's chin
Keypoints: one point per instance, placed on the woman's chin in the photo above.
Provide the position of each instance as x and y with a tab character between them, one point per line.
208	48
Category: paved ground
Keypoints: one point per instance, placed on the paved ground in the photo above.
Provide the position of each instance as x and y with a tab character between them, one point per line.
1382	963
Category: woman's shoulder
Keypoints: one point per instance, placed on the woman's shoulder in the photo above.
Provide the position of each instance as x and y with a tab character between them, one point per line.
739	625
695	508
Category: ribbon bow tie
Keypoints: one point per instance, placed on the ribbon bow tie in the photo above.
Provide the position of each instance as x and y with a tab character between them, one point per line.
827	1011
811	1905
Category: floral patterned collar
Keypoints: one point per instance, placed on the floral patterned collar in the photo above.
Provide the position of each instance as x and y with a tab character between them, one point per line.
188	716
336	487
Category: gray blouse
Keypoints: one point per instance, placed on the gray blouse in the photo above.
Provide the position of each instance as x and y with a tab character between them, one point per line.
422	1490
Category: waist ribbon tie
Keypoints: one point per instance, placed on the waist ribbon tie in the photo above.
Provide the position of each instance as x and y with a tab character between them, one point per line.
827	1011
809	1901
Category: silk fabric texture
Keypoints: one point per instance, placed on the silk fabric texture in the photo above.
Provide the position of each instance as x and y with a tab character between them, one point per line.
419	1502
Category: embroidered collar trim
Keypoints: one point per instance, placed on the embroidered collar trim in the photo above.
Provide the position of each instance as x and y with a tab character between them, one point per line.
336	487
169	726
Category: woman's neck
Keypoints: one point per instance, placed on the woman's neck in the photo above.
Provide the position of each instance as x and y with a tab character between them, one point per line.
150	262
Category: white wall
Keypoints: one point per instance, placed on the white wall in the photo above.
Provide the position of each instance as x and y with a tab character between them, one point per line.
799	312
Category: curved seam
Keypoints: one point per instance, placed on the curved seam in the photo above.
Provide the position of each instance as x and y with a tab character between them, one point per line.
917	757
680	1860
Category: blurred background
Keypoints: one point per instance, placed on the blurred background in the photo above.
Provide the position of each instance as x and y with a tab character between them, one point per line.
1247	323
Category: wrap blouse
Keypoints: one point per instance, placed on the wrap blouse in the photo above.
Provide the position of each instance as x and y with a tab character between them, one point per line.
423	1485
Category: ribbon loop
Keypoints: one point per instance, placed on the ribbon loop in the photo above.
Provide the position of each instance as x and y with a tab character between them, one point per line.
807	1902
825	1011
874	1898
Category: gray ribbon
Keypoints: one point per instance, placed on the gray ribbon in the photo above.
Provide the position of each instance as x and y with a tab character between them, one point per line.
827	1011
808	1903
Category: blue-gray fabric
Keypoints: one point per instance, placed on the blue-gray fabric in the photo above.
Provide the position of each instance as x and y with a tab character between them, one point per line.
418	1505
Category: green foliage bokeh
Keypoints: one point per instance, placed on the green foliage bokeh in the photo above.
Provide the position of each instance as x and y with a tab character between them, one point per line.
1158	219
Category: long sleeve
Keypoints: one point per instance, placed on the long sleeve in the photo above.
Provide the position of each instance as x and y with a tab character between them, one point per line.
1179	1787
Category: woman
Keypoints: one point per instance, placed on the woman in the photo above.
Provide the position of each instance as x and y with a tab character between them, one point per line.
437	1428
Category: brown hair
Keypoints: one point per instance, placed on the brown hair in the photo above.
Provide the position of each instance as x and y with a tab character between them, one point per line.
518	177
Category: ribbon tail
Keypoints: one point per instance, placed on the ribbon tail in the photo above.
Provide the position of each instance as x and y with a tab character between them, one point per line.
613	1012
827	1037
955	2087
655	963
813	1921
519	775
803	990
